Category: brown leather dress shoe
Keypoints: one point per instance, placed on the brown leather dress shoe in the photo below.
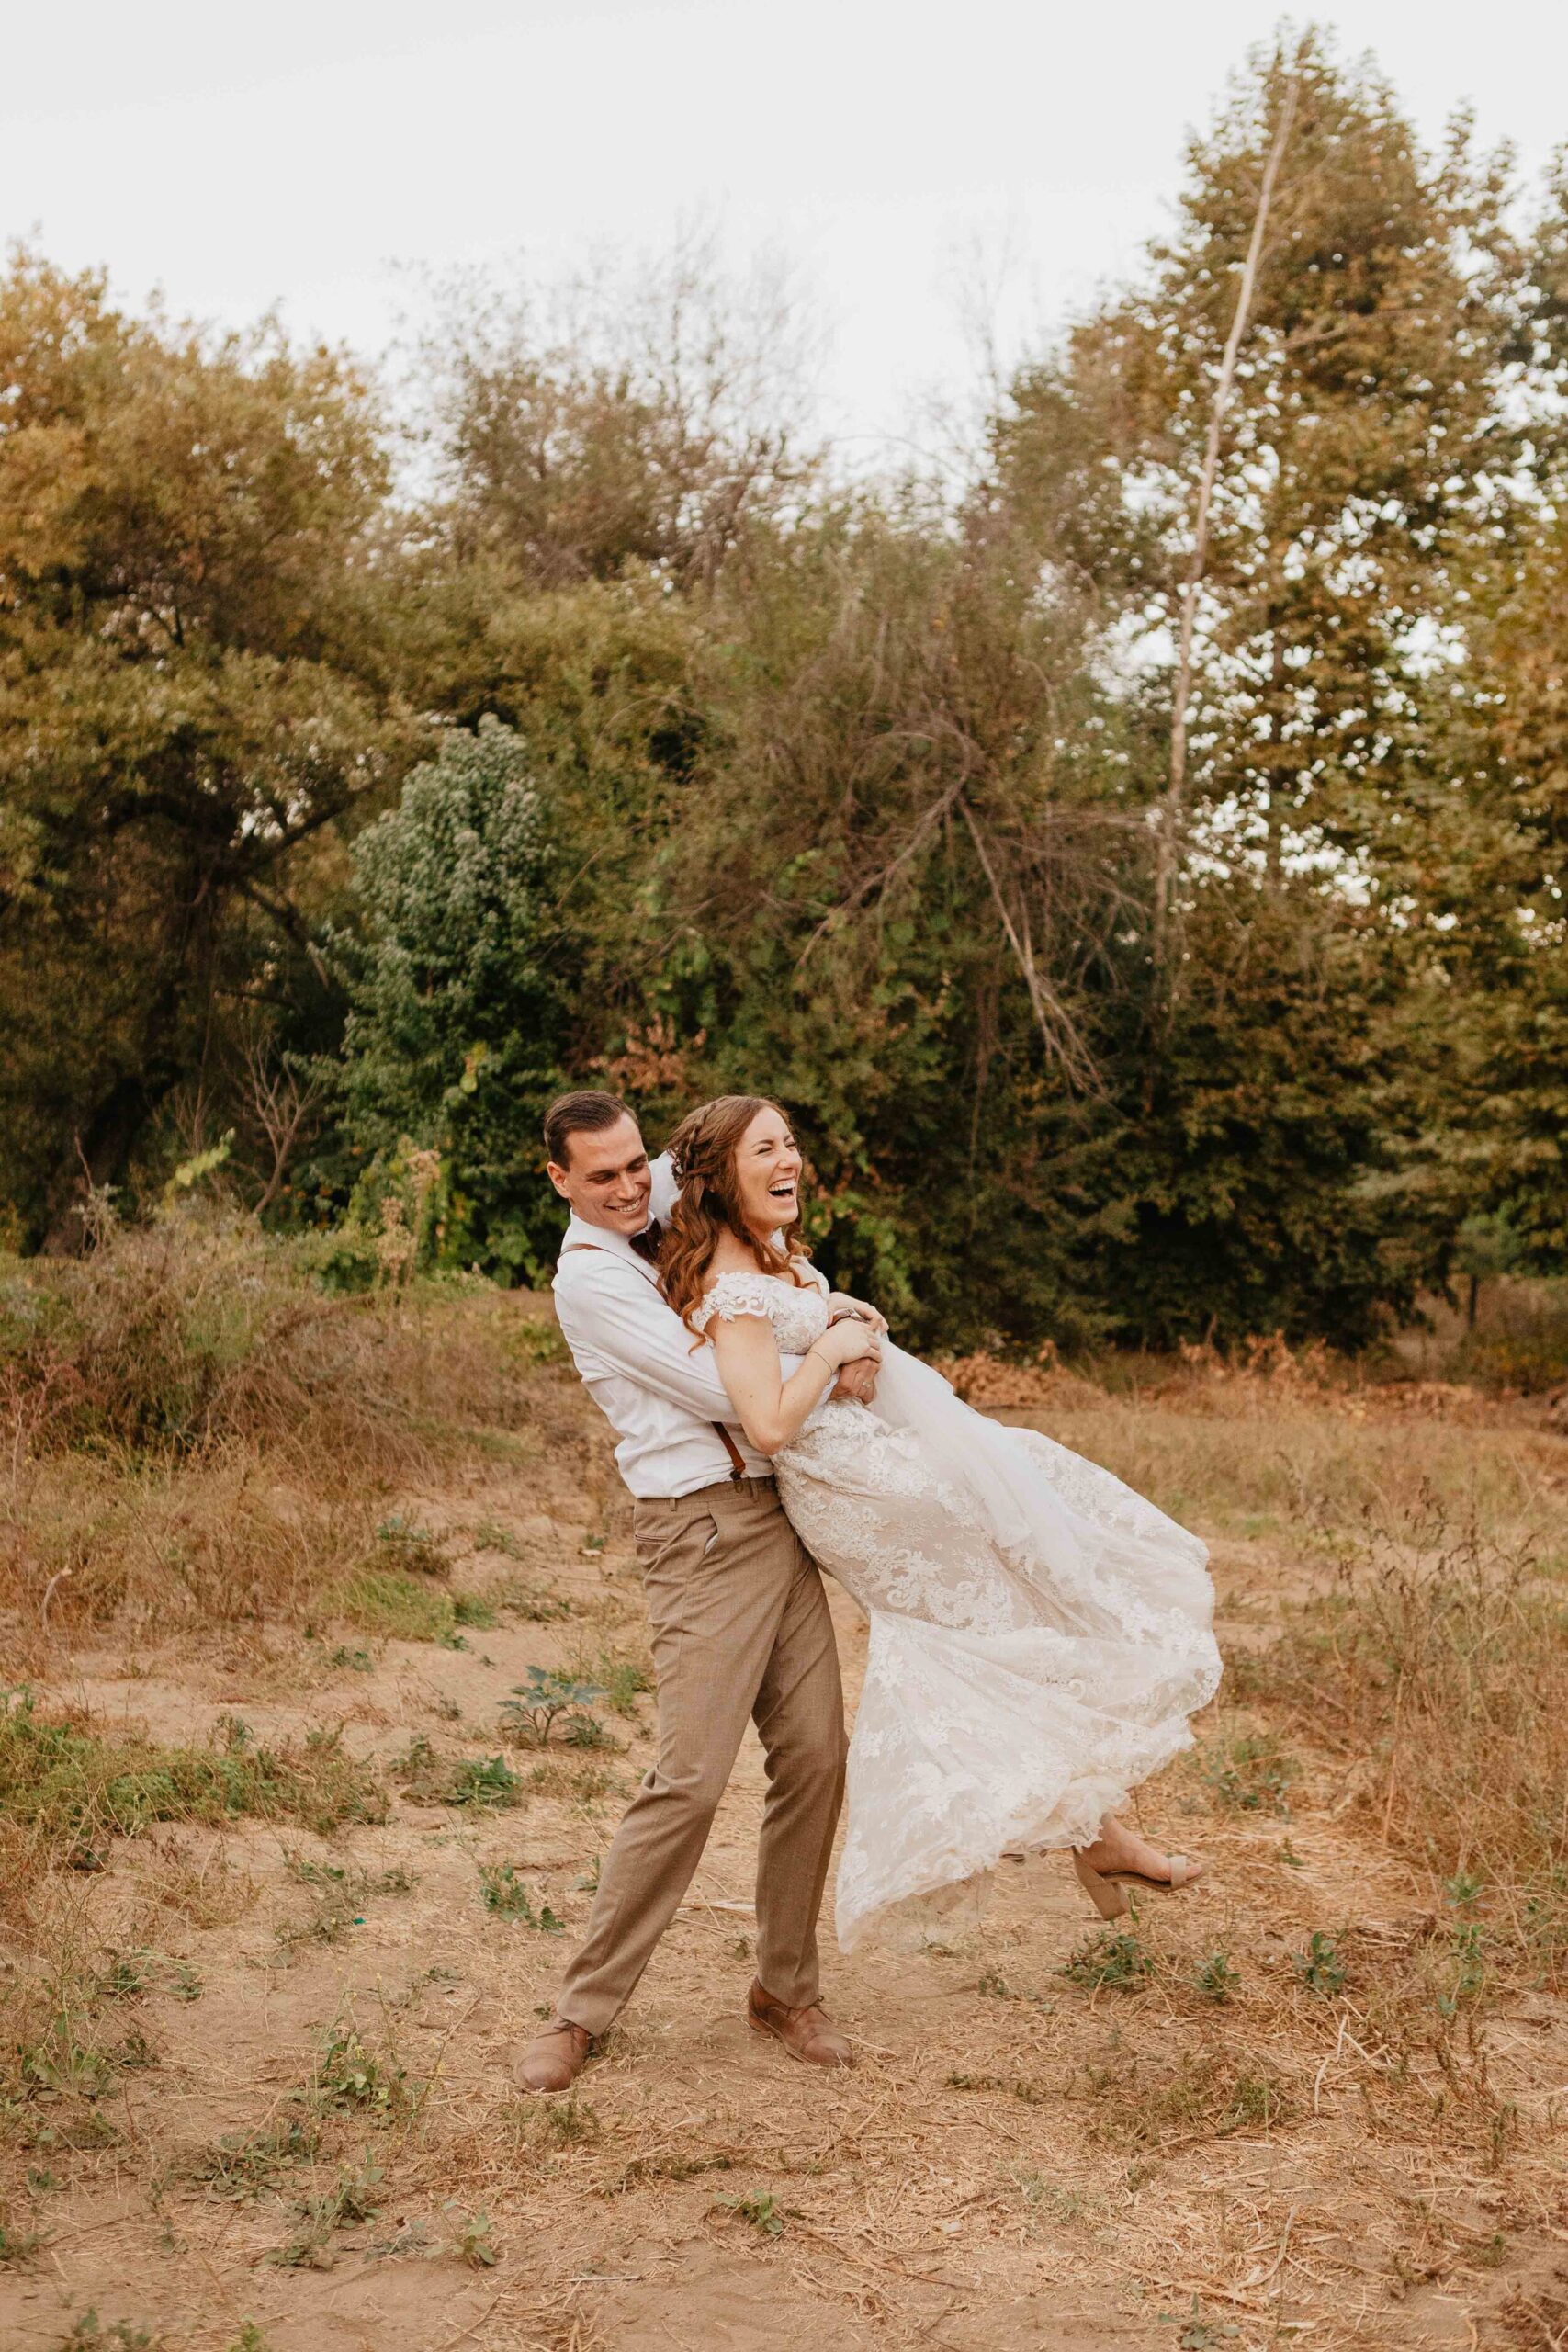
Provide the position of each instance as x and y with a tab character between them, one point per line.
554	2059
806	2033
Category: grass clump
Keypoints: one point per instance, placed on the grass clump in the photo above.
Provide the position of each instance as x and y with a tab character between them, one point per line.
621	1681
240	2166
430	1778
402	1543
18	2247
547	2130
338	1897
70	1784
1250	1773
1043	2197
1211	2095
535	1604
401	1606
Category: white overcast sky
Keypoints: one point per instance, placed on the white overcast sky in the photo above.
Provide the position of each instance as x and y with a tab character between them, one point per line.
241	156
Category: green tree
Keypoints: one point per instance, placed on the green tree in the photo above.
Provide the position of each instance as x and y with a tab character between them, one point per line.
1367	470
461	990
191	695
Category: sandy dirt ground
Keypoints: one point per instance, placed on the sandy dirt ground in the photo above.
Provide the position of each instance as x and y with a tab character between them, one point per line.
319	2149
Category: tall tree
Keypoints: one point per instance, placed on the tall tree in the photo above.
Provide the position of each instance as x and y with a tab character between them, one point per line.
1365	460
191	690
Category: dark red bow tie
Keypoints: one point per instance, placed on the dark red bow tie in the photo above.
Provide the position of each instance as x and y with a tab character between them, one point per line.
646	1243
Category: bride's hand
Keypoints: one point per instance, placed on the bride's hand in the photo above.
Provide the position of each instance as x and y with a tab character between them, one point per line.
846	1341
841	1303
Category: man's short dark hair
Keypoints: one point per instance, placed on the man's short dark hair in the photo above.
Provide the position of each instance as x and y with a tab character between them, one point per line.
588	1113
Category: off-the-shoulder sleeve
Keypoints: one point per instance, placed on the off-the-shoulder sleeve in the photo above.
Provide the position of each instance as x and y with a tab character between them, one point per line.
735	1294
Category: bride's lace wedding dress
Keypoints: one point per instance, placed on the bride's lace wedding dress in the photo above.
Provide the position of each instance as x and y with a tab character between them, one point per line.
1039	1632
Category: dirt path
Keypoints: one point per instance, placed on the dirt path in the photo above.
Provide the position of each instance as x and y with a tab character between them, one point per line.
1022	2157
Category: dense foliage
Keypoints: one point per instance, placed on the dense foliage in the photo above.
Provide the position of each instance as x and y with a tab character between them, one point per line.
644	752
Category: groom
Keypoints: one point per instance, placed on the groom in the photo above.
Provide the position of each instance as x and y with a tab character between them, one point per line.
739	1619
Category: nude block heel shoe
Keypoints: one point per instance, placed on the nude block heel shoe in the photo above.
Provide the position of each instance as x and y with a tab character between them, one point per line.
1103	1892
1104	1888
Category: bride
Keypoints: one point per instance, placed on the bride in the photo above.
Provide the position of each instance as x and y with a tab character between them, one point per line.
1039	1634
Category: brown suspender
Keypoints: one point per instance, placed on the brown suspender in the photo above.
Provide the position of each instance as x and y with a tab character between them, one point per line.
736	1460
736	1463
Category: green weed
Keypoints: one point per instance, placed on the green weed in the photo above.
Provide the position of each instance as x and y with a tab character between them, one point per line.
622	1681
505	1896
349	2077
90	2334
1216	1978
434	1778
475	2242
763	2213
351	2199
1320	1967
1116	1959
549	1697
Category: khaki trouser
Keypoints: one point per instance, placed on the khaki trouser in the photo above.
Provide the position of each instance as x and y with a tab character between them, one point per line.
740	1629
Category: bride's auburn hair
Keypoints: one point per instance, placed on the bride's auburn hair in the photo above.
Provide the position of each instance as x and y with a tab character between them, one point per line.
703	1151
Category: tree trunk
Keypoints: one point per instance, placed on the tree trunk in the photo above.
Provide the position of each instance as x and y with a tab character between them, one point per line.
1168	846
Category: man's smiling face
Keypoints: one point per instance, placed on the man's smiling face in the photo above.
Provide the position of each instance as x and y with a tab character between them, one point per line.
606	1176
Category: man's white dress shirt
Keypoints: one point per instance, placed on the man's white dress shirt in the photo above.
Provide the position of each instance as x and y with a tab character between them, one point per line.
661	1396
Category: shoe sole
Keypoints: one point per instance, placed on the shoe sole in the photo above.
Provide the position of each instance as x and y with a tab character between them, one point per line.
771	2033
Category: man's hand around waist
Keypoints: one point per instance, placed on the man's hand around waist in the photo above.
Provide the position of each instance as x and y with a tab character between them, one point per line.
857	1380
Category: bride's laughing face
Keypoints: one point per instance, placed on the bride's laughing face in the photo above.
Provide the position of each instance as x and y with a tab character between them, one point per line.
767	1173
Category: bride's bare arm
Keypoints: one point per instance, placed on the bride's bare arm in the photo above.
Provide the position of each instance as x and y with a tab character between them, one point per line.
772	1409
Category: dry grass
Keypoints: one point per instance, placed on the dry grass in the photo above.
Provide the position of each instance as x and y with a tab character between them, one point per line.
191	1430
254	2072
1435	1669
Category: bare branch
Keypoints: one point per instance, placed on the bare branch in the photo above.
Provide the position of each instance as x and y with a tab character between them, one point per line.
1059	1033
283	1109
881	875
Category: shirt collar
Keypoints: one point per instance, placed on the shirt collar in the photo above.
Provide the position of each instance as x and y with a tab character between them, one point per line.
579	1235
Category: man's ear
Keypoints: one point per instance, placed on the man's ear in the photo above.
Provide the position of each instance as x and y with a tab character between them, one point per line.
557	1177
